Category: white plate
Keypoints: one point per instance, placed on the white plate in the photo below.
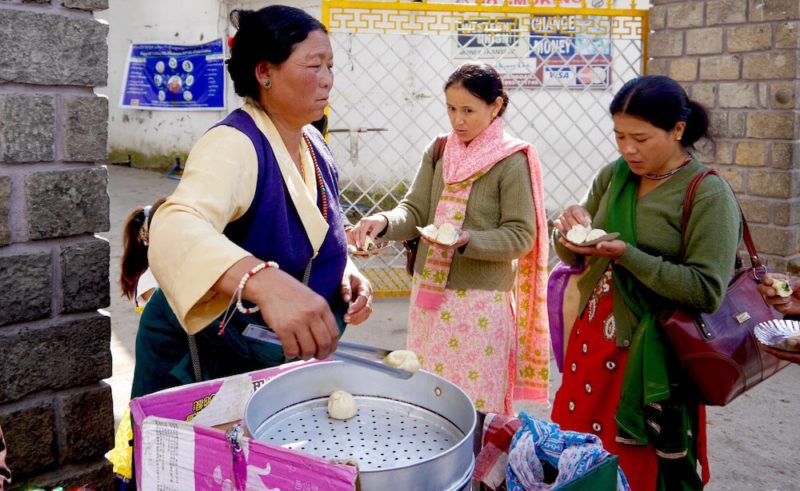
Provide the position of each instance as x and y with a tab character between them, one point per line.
611	236
774	333
438	242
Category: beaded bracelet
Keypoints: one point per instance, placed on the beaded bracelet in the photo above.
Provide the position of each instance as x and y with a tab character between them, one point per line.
258	267
237	294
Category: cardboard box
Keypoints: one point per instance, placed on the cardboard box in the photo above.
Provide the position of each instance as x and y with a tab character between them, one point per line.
186	438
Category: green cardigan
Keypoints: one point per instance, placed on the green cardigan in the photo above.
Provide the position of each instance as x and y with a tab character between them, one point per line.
699	281
500	219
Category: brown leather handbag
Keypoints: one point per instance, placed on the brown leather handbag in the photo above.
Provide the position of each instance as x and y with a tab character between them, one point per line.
718	351
411	245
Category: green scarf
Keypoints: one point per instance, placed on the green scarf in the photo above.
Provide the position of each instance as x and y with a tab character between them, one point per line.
652	407
645	380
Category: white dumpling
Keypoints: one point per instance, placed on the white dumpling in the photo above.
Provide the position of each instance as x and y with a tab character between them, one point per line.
430	231
595	233
369	244
403	359
782	288
577	234
447	234
342	405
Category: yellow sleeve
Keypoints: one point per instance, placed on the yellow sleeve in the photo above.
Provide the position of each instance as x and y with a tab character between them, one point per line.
188	252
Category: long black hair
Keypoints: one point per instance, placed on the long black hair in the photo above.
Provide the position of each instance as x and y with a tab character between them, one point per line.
662	102
482	81
269	34
135	240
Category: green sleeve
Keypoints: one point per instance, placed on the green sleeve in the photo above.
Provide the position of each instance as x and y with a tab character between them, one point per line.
516	230
414	208
591	201
712	237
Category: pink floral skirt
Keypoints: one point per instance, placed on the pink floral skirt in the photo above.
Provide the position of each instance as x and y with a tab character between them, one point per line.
470	342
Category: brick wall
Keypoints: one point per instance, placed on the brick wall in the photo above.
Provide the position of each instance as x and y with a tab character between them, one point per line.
740	59
54	344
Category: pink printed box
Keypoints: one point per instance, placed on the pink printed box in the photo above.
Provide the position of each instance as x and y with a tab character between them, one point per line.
181	443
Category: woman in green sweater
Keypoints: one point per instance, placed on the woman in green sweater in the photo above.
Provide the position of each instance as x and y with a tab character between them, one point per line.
621	380
462	323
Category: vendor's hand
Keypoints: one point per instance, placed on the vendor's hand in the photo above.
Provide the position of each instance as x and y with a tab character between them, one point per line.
357	291
463	239
299	316
785	305
613	249
571	216
349	236
372	226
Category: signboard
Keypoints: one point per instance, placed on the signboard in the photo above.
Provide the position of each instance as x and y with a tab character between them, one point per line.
569	57
558	50
487	38
174	77
518	73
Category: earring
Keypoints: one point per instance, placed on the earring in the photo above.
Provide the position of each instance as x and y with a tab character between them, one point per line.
267	83
678	138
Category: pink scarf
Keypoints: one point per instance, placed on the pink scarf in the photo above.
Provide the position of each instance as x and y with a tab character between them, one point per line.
463	165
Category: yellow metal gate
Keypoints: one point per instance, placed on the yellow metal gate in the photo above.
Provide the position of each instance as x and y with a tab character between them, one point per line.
561	62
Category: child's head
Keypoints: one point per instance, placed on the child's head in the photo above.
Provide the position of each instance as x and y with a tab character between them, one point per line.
135	240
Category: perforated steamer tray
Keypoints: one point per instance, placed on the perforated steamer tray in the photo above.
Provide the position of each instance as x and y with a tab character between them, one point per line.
407	434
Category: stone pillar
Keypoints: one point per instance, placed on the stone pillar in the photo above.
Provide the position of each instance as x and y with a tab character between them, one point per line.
740	59
55	410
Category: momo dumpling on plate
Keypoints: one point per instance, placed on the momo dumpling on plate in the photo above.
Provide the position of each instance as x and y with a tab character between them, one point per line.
369	244
342	405
403	359
448	234
430	231
594	233
578	233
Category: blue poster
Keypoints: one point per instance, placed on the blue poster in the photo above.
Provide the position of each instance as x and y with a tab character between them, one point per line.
174	77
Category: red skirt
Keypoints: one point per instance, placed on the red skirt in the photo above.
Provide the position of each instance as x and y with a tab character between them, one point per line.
590	388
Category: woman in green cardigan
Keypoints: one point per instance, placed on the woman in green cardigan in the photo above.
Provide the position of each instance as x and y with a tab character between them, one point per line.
477	313
621	380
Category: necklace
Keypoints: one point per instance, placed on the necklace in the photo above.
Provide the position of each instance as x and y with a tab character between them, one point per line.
323	194
658	177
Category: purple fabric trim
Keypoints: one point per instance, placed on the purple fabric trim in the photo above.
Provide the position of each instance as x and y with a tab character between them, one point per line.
556	285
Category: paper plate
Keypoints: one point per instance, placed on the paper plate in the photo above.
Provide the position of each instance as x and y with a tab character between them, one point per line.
774	333
438	242
611	236
380	246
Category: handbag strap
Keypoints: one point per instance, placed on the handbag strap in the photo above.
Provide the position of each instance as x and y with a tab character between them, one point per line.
438	149
688	202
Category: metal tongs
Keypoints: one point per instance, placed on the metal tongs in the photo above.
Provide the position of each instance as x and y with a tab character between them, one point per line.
261	333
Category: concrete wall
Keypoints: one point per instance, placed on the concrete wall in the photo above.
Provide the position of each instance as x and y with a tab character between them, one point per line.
740	59
56	413
154	138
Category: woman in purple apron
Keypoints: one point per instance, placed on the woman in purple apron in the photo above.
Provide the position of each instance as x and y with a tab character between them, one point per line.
254	231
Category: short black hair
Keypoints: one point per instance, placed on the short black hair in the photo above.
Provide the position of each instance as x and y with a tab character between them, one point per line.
662	102
269	34
482	81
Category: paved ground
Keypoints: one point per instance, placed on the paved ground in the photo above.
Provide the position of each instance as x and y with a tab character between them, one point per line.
753	442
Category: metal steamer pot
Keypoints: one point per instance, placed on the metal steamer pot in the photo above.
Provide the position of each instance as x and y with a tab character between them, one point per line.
407	434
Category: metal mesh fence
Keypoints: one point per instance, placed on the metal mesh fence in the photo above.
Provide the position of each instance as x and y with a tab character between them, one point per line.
560	68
